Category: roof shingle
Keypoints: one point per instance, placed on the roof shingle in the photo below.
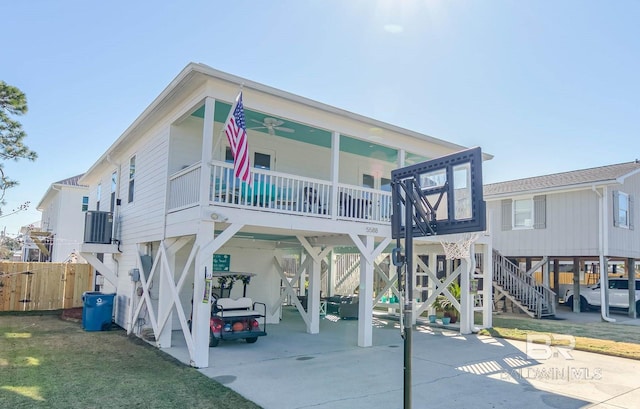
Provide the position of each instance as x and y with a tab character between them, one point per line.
565	179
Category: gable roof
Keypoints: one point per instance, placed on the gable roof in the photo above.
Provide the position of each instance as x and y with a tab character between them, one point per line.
195	75
584	178
72	181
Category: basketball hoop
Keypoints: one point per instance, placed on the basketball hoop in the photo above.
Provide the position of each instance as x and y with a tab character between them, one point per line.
461	248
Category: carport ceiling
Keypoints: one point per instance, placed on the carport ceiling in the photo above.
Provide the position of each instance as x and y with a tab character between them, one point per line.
311	135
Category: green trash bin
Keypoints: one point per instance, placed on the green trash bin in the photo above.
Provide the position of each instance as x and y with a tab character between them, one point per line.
97	311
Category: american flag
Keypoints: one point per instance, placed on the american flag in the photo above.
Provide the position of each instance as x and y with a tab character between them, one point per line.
236	131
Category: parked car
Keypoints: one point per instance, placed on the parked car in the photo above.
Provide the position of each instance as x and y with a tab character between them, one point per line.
618	295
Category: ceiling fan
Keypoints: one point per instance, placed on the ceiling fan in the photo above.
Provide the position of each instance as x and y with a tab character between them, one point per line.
272	125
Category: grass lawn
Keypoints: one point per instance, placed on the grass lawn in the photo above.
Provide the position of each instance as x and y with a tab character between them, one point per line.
46	362
599	337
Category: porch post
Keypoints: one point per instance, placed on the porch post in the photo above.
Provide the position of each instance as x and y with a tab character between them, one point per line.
203	263
576	284
313	296
165	301
487	284
466	298
631	273
331	271
365	295
433	266
201	303
335	172
556	277
545	273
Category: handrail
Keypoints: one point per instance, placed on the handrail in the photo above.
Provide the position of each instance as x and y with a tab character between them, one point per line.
535	297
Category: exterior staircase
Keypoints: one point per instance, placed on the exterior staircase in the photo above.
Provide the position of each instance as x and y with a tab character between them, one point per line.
520	287
347	273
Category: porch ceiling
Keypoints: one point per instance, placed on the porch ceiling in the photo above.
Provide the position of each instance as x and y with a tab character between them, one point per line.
311	135
342	243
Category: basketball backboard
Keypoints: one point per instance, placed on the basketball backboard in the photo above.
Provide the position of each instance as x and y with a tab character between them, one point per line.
445	193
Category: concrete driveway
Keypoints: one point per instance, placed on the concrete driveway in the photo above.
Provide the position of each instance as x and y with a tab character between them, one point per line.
290	369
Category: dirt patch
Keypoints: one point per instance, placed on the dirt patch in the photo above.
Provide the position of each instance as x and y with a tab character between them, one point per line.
72	314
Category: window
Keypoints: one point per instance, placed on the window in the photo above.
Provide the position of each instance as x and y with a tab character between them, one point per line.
622	210
368	181
114	185
529	213
132	176
523	214
262	161
85	203
98	193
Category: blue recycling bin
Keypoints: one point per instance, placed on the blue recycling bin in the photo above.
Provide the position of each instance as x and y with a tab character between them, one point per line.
97	311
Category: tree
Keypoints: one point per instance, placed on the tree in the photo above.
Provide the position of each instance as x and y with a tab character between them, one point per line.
8	246
12	102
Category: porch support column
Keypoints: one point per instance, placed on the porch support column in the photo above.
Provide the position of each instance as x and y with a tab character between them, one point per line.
433	266
556	278
165	306
331	271
365	295
313	297
576	284
631	272
335	172
207	153
368	254
466	298
204	239
545	274
201	302
487	287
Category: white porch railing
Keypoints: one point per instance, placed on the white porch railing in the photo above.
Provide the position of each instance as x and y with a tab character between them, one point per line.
538	299
279	192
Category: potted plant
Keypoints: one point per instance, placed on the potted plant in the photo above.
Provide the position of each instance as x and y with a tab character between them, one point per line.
451	312
444	305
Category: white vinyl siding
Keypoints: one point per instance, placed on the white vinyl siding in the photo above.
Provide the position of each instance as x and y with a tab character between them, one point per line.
565	224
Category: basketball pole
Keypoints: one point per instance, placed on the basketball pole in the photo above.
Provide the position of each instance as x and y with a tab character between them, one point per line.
408	300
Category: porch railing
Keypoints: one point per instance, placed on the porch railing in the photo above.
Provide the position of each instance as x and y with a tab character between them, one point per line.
279	192
538	299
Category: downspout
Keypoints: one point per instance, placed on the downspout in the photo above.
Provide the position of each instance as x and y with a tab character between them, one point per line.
601	238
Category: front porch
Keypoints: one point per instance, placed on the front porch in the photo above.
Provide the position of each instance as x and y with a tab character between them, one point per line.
277	192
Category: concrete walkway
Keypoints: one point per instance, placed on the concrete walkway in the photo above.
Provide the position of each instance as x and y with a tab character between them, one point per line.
290	369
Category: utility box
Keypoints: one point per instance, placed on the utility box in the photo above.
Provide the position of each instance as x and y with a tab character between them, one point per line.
98	227
97	311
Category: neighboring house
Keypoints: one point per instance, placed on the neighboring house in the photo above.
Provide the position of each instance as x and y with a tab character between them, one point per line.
61	230
30	251
320	187
583	219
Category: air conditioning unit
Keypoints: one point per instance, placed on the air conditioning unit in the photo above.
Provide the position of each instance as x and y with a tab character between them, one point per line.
98	227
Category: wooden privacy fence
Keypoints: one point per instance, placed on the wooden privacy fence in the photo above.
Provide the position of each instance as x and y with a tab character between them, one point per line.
43	286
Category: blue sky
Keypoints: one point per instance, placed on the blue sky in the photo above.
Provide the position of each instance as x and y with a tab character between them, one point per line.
545	86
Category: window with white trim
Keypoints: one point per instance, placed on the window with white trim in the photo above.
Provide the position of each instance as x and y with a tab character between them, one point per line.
523	214
526	213
622	209
132	177
114	185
